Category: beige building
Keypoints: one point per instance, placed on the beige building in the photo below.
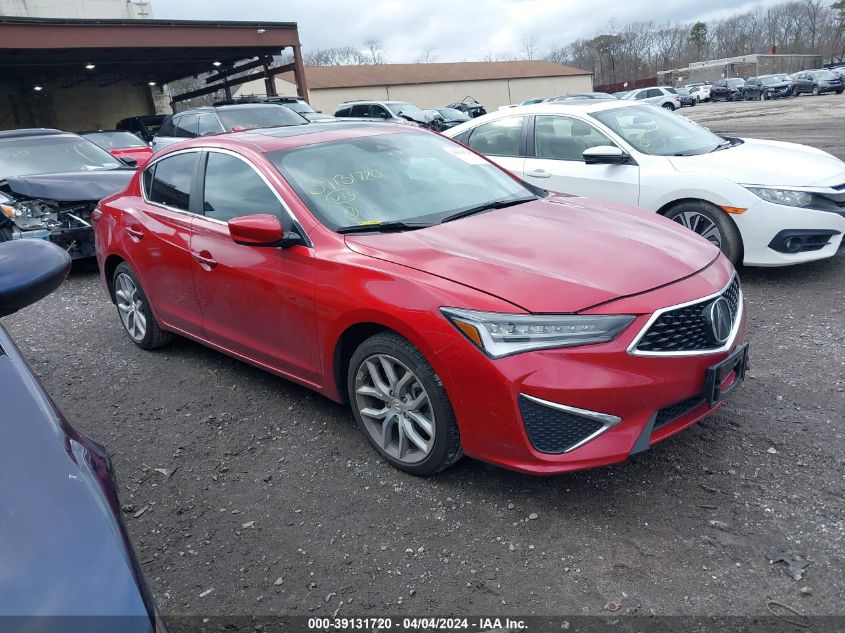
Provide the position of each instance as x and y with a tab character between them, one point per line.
493	84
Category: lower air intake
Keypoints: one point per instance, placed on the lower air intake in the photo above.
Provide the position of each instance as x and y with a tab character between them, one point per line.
552	430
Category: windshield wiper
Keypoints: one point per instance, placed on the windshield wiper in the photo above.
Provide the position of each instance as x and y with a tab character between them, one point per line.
728	143
382	227
487	206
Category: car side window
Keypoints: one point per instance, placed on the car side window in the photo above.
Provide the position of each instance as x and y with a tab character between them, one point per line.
654	92
170	184
342	112
148	178
562	138
498	138
167	128
360	110
642	94
233	188
207	124
378	112
186	126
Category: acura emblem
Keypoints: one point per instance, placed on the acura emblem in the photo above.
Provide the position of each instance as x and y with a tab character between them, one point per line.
718	317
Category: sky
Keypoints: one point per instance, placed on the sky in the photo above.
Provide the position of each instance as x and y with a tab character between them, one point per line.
454	30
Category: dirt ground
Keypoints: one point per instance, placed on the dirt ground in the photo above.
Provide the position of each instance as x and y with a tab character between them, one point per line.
270	501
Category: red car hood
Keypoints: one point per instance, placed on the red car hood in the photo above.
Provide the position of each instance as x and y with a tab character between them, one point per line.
559	254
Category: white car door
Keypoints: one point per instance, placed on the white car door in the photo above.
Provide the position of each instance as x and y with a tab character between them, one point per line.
501	141
557	162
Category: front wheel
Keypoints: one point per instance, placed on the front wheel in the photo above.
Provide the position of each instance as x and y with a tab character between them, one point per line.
816	91
711	223
134	310
763	96
401	406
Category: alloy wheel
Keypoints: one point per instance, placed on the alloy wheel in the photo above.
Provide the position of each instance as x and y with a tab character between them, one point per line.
395	408
701	224
130	307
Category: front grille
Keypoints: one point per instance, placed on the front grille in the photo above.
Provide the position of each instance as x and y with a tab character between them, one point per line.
686	329
671	413
552	430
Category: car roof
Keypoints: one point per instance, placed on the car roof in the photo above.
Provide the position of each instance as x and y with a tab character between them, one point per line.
575	106
290	136
228	106
32	131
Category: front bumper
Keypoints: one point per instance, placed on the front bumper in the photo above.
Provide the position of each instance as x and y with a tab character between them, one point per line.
645	398
763	221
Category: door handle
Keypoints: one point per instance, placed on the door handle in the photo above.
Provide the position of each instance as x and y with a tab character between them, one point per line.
135	233
204	259
538	173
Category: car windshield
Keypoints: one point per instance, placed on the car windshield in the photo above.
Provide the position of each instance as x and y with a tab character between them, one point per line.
450	114
733	83
400	107
404	177
682	91
299	106
768	81
234	119
28	156
824	74
657	132
115	140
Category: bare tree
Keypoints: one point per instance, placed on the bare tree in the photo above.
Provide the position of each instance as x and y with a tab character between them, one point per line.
529	46
373	48
427	56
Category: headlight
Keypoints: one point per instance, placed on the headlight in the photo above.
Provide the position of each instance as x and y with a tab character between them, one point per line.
783	196
501	334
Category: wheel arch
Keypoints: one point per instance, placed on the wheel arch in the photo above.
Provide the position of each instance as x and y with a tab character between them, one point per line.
348	341
664	210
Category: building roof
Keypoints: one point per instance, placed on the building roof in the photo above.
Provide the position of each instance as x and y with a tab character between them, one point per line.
403	74
43	49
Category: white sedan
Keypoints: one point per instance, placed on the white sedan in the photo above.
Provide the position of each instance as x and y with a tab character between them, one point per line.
764	203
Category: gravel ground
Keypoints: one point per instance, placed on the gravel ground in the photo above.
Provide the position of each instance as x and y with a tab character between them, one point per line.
247	494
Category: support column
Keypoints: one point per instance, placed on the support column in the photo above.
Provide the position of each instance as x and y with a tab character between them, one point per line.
299	73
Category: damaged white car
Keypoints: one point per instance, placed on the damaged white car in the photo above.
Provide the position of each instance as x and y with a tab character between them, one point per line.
50	182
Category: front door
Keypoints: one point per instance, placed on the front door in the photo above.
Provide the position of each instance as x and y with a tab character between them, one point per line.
555	161
256	301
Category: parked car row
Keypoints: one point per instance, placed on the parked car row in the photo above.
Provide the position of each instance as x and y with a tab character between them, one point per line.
773	86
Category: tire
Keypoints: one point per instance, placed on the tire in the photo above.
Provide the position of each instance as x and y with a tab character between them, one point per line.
135	303
728	238
795	92
697	99
816	91
668	106
839	92
443	448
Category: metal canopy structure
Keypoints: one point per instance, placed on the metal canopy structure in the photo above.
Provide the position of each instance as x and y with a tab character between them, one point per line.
69	52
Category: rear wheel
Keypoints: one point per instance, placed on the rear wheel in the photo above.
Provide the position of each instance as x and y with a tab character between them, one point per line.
816	91
711	223
763	96
668	106
401	406
795	91
135	312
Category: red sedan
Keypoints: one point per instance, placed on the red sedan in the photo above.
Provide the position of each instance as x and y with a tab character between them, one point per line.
122	145
457	309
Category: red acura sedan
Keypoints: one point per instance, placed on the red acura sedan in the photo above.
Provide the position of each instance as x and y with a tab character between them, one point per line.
457	309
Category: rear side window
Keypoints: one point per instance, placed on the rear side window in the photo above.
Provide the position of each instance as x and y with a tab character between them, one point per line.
498	138
170	184
342	111
360	110
233	188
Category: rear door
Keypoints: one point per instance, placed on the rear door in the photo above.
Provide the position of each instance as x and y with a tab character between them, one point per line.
156	239
503	141
256	301
555	161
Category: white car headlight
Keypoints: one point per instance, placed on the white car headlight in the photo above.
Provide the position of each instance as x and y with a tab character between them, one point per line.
788	197
501	334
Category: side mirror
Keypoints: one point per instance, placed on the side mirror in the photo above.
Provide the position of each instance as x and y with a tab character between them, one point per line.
29	270
605	155
129	162
262	229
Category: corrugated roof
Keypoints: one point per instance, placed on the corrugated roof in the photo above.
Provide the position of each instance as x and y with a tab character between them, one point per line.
399	74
